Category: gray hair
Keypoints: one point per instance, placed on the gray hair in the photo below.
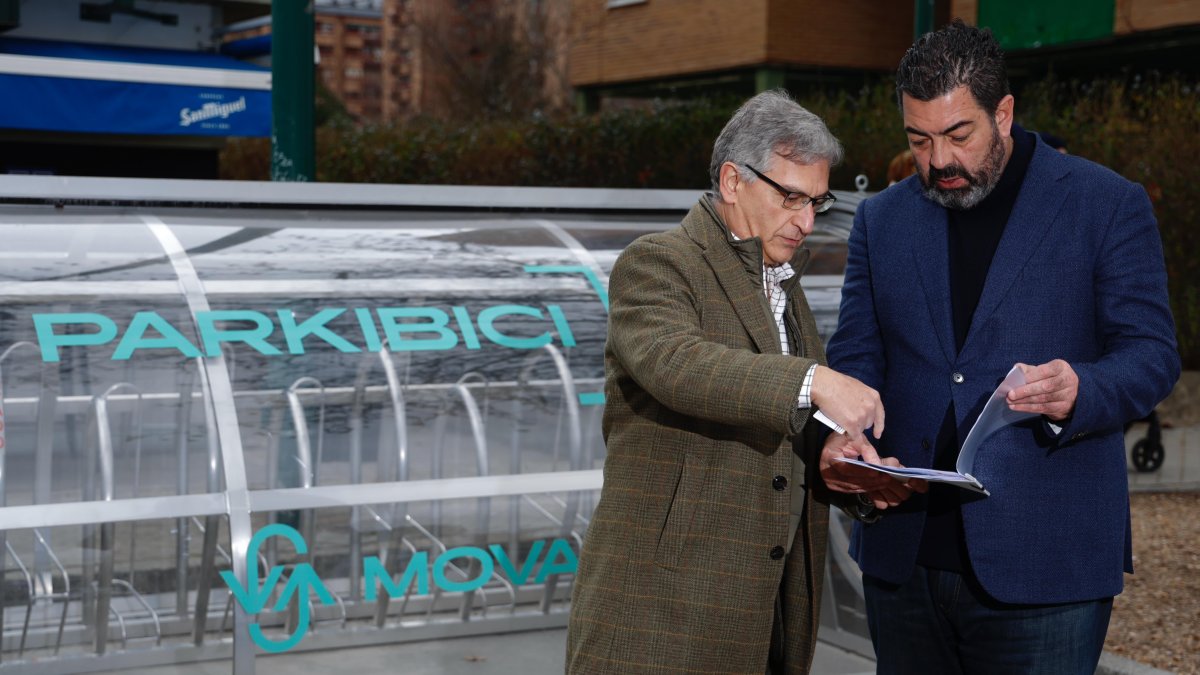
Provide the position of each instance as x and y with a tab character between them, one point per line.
771	123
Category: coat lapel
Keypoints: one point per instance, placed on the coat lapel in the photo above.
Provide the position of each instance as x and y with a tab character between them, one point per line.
1038	203
745	293
741	283
931	258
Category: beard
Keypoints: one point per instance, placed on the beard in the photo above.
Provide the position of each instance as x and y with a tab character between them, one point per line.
979	184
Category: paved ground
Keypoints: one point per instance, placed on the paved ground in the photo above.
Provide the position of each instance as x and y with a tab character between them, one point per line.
533	653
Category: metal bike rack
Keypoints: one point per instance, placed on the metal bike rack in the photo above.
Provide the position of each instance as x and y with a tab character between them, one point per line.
310	468
208	551
483	505
101	590
391	467
34	597
104	452
39	584
570	506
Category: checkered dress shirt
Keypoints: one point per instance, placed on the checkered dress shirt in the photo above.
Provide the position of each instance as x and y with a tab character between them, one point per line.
773	278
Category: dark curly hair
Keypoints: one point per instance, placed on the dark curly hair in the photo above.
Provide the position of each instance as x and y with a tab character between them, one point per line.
950	57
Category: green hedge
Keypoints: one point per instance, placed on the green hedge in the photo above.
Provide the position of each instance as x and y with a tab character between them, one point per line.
1146	129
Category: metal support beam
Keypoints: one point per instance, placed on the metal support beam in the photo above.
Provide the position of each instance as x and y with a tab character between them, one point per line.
768	78
587	101
922	17
292	136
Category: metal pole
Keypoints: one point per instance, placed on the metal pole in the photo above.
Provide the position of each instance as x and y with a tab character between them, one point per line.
292	137
922	18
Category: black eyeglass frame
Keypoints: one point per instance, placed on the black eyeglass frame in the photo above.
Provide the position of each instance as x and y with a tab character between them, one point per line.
798	200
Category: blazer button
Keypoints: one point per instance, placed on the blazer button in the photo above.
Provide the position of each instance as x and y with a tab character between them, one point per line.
777	553
958	378
780	483
925	445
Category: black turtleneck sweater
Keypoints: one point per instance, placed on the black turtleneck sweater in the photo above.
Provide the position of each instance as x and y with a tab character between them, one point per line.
974	235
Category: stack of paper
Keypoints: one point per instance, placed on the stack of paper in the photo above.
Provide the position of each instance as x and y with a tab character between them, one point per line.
996	415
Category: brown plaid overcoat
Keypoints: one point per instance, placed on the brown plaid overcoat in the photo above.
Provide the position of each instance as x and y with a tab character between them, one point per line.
677	573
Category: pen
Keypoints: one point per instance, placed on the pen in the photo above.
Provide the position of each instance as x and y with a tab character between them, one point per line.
824	419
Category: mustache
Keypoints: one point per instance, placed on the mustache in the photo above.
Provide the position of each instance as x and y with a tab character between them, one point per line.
950	171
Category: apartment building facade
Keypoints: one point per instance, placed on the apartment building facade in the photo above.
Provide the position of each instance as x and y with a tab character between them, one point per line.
638	48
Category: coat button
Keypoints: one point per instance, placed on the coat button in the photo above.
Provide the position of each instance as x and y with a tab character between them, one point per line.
958	378
777	553
925	445
780	483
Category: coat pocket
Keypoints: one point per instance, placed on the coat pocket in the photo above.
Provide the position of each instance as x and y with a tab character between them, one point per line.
672	536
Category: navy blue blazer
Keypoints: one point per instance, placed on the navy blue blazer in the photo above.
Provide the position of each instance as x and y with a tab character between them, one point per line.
1078	275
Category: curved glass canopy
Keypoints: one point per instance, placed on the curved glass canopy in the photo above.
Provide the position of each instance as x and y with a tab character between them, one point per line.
409	378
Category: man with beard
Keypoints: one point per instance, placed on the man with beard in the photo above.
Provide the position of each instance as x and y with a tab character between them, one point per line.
1000	252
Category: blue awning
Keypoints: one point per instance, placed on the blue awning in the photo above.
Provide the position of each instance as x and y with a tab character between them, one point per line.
61	86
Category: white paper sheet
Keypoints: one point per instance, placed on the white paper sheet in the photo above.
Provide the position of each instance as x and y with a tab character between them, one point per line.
996	415
931	475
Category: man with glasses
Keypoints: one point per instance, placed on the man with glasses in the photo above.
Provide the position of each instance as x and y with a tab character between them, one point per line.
707	549
1000	252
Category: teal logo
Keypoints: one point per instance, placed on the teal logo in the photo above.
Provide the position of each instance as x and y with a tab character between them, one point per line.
347	329
542	561
400	328
404	329
253	597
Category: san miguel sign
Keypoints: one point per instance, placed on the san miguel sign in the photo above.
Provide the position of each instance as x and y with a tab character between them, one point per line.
211	110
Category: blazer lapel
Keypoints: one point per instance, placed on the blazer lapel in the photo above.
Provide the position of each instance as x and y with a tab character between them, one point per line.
1038	203
931	258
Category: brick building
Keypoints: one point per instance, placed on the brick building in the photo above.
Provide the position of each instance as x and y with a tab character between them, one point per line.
350	42
624	48
639	48
392	59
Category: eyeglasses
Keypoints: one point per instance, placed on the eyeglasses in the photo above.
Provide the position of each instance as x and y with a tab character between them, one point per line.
797	200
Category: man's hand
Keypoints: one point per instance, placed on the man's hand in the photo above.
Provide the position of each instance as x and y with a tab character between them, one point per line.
884	490
847	401
1050	390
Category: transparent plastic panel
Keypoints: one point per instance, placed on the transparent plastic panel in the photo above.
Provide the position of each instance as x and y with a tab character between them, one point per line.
104	594
93	406
366	347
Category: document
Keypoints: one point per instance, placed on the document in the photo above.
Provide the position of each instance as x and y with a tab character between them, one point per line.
996	415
